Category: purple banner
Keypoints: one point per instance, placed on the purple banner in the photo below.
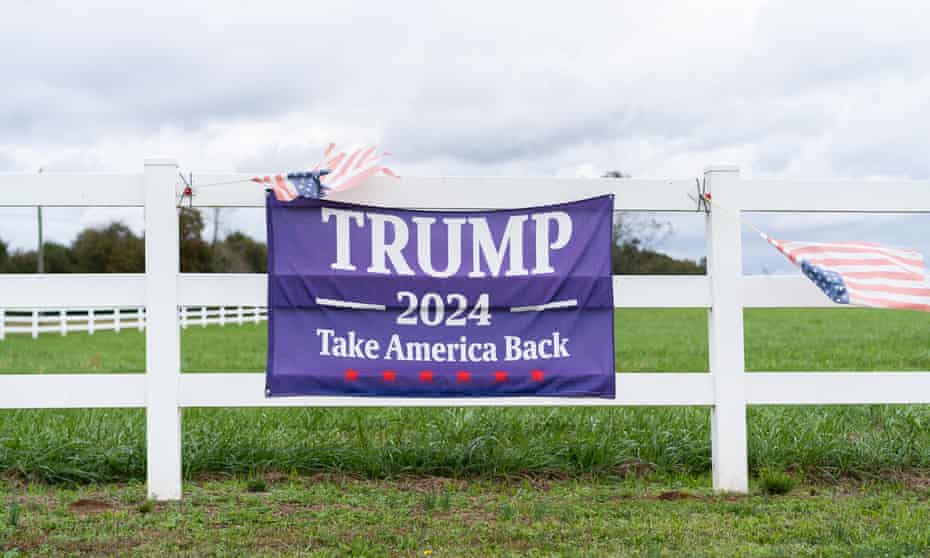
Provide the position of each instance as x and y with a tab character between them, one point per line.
372	301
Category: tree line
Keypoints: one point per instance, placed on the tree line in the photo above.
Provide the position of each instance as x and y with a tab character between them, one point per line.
114	248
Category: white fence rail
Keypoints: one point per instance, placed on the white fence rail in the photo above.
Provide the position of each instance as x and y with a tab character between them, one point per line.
727	389
89	320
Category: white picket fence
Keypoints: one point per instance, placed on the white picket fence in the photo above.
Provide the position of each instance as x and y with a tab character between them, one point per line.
163	391
71	320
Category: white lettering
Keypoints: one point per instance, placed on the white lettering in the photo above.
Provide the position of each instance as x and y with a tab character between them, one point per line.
395	350
562	236
425	248
390	239
343	241
518	348
393	251
512	348
326	335
511	242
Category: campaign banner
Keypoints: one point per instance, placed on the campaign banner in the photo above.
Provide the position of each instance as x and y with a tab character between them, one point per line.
372	301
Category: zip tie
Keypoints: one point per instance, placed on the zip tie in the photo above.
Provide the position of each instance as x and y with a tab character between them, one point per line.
187	192
703	198
705	203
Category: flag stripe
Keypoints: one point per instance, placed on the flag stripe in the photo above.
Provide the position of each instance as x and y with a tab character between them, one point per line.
365	155
799	248
915	272
883	275
856	294
857	253
884	288
885	302
863	261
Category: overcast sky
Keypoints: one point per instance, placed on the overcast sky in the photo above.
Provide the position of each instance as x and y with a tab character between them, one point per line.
806	89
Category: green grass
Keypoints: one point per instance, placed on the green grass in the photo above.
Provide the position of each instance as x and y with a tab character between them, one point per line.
336	516
647	340
861	441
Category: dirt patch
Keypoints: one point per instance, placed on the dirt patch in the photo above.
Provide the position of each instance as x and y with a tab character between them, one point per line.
634	468
108	548
211	476
731	497
428	484
86	505
538	483
276	477
917	479
330	478
672	495
288	509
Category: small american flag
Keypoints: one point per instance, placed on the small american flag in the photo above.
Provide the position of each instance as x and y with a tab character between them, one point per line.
348	170
337	171
862	273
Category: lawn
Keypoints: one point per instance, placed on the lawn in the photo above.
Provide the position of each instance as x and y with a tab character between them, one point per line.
337	516
356	481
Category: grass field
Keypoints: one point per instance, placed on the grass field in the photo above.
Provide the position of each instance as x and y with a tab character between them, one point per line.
332	516
509	477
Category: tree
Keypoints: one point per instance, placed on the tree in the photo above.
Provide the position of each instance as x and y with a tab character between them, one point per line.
240	253
21	262
196	256
634	238
116	249
629	258
112	249
59	258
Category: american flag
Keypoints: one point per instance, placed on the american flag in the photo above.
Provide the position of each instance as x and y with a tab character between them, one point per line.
862	273
337	171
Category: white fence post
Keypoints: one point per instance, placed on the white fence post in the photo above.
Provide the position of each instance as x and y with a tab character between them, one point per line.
116	320
35	324
184	317
239	317
203	316
256	314
725	331
90	322
63	322
162	337
2	324
140	318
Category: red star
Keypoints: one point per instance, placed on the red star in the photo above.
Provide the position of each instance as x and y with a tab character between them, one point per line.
463	376
351	375
389	376
537	375
500	376
426	376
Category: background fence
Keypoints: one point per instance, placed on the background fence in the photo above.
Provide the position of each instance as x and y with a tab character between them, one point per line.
70	320
726	390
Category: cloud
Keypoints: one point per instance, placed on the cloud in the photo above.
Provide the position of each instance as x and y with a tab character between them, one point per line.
478	88
785	89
